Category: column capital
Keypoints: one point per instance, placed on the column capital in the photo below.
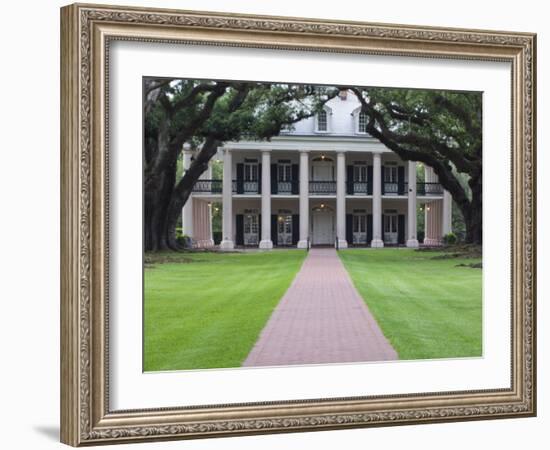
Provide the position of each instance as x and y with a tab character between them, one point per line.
341	153
304	150
265	150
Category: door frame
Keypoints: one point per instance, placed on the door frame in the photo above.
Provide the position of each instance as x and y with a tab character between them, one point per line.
394	218
360	217
322	211
288	234
326	162
246	242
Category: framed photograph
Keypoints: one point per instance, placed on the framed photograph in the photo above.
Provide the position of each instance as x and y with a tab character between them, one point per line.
276	224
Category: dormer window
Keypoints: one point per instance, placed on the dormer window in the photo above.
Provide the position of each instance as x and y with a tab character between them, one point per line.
359	121
362	123
322	121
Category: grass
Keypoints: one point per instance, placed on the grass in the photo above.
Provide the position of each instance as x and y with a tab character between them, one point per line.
206	310
427	305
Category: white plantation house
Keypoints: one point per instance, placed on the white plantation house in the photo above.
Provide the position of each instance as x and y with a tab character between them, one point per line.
323	182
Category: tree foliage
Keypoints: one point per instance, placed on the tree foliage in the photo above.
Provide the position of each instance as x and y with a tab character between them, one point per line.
442	129
205	114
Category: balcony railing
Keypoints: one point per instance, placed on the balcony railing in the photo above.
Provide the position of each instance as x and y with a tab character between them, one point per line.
362	188
286	187
315	187
208	186
394	188
429	189
246	187
322	187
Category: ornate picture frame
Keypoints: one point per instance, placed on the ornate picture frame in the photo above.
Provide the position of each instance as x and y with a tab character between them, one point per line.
86	34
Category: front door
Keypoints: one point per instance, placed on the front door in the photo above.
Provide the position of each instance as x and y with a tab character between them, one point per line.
284	229
251	229
359	229
323	227
390	228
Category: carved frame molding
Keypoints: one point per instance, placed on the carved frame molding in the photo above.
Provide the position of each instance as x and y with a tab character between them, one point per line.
86	31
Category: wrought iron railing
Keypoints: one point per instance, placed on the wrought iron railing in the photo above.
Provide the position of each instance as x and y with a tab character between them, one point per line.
394	188
362	188
429	189
246	187
322	187
251	187
315	187
287	187
208	186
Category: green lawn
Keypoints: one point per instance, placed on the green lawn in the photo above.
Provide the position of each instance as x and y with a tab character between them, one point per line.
206	310
426	307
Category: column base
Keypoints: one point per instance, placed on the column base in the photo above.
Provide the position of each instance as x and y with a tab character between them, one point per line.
266	244
342	243
377	243
432	242
412	243
205	243
302	244
227	245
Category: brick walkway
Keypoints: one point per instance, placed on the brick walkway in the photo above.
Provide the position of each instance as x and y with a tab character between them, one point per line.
320	319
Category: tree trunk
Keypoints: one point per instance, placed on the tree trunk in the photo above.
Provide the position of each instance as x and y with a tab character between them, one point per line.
473	227
159	186
155	208
183	189
473	216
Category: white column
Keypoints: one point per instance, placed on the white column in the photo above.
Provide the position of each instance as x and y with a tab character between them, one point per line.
210	233
210	207
377	241
266	242
227	203
304	199
412	241
341	199
187	210
434	215
447	213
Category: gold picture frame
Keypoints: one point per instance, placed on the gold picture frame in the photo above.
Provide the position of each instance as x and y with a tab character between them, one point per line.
86	31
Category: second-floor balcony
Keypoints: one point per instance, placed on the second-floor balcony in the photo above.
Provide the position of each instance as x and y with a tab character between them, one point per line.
429	189
394	188
322	187
290	187
208	186
315	188
247	187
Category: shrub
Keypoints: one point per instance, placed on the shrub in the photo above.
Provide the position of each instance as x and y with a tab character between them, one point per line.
183	240
450	239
